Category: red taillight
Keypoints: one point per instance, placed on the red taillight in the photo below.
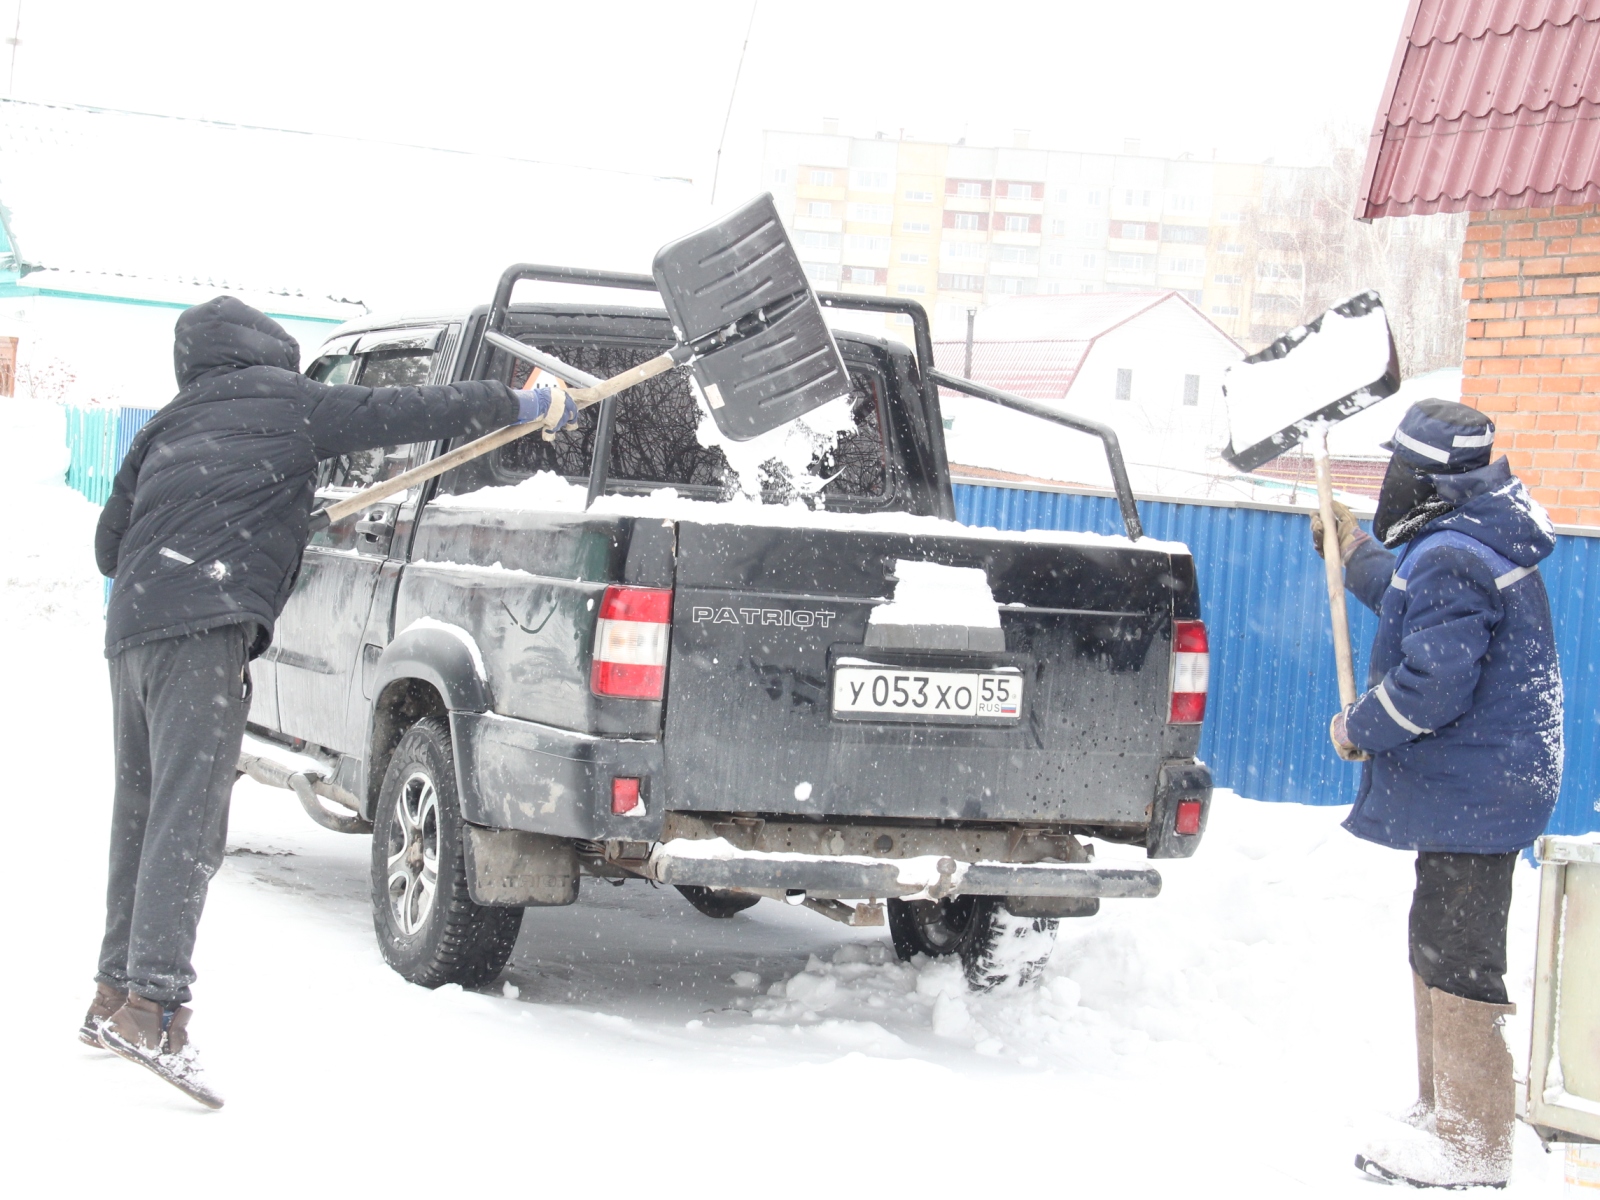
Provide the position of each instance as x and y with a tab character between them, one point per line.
1188	818
1191	672
630	643
625	796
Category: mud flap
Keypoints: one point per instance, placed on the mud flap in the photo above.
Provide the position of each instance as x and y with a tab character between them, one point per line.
507	868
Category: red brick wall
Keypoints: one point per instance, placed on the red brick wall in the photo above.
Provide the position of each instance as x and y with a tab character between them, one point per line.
1531	278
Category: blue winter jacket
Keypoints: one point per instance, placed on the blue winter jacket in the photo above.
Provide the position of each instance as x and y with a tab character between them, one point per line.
1462	714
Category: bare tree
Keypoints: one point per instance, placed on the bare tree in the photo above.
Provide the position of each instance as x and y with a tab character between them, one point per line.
1307	253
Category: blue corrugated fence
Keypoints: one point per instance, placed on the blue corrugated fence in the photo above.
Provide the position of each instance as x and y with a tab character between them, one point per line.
1265	605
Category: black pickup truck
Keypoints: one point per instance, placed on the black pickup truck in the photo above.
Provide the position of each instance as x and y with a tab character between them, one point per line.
512	687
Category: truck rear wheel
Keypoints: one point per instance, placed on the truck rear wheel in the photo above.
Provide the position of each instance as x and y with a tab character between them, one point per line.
996	948
716	902
428	928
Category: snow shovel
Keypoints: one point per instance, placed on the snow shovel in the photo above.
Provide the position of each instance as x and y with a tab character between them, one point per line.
748	326
1319	373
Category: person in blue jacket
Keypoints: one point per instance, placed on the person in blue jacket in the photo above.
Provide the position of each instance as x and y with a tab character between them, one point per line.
1459	731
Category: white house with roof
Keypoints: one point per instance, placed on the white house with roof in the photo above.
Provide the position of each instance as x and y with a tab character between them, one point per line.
1149	364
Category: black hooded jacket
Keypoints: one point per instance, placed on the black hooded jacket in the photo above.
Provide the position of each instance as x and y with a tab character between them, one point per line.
210	510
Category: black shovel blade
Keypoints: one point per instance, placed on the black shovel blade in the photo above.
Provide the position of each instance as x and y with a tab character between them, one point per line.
737	294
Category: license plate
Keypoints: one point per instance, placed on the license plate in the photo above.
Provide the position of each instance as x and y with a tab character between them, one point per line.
890	694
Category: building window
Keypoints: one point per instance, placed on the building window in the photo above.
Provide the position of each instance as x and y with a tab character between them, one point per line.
1277	270
961	220
1011	285
963	249
871	214
1225	310
1093	198
823	272
870	181
912	289
1016	254
1024	191
1182	202
819	208
960	283
1090	262
820	178
915	227
862	243
1231	248
1055	259
1228	280
1136	198
1015	223
1184	266
1194	235
1132	262
1058	228
918	196
1131	231
780	174
1124	383
1193	297
912	257
1231	216
1063	196
1191	390
1050	287
967	189
1267	303
810	239
866	274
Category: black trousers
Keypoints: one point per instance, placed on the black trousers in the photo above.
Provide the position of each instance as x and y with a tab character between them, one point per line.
1458	923
178	711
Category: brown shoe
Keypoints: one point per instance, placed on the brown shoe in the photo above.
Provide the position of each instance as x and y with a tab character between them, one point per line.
142	1031
107	1000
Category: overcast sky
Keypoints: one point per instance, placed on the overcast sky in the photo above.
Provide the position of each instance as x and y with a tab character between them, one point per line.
645	86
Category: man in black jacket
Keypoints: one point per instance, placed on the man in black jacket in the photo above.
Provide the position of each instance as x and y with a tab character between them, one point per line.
203	535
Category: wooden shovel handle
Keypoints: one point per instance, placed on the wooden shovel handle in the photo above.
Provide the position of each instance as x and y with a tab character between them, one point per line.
582	397
1334	568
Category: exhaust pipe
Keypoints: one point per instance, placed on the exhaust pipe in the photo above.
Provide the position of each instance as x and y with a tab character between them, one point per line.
307	787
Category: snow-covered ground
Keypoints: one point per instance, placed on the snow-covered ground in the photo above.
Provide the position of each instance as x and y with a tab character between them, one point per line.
1230	1038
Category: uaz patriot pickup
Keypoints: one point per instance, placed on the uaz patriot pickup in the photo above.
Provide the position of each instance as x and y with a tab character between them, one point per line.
513	687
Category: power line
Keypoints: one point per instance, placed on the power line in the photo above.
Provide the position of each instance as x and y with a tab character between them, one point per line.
716	170
102	110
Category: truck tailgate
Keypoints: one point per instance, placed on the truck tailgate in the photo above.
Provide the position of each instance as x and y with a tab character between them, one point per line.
762	617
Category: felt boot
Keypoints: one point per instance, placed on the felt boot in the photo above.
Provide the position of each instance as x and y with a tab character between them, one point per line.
1474	1105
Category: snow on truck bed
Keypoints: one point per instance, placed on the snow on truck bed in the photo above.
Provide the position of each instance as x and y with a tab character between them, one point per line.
1228	1038
547	492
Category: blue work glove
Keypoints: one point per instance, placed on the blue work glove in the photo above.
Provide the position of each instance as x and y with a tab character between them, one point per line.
551	406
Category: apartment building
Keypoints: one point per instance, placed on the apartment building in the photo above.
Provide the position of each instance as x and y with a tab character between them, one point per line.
958	227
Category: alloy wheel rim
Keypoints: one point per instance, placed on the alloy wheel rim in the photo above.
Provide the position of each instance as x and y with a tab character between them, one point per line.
413	863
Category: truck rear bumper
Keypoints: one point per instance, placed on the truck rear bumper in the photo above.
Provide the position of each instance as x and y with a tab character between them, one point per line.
718	864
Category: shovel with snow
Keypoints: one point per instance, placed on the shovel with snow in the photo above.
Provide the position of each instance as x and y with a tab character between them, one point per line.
749	329
1322	372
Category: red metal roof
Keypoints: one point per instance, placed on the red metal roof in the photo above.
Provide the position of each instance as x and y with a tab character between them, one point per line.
1489	104
1037	370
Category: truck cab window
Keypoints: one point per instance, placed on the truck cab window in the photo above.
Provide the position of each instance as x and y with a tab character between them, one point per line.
655	442
400	368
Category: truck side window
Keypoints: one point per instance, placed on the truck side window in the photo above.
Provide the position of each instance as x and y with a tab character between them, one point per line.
400	368
655	443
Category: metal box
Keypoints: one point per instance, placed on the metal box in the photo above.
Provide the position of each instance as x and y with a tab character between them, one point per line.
1564	1063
